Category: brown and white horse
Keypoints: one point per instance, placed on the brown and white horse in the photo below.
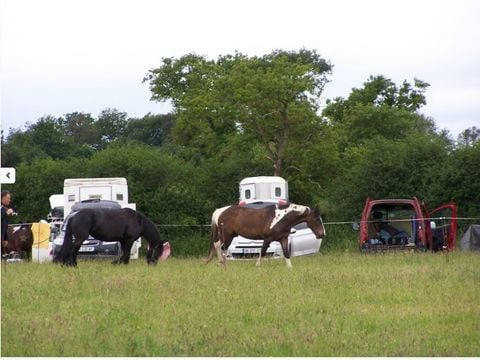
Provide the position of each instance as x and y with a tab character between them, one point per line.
20	241
270	223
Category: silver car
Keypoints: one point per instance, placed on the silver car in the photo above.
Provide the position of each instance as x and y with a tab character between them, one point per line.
302	240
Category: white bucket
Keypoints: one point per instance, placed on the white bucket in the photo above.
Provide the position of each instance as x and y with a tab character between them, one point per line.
41	254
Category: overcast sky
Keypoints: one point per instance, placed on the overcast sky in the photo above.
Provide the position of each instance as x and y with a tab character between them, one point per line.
61	56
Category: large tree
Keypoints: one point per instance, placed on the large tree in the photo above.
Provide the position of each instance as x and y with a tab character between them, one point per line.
379	108
111	124
387	147
270	98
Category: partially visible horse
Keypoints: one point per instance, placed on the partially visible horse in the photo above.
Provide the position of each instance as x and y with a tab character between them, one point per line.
20	240
270	223
115	225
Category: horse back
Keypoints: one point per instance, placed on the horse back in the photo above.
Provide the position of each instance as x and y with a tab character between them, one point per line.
248	222
106	224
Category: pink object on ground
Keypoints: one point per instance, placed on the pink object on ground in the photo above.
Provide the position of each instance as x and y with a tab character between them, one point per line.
166	251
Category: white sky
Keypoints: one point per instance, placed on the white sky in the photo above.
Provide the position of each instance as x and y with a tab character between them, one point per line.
60	56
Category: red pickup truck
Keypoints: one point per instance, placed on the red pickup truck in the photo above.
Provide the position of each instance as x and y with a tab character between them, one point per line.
396	224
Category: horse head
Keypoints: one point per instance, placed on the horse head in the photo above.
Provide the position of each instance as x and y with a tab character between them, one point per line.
315	222
161	252
153	253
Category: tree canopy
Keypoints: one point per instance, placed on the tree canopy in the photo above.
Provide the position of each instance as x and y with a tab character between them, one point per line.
270	99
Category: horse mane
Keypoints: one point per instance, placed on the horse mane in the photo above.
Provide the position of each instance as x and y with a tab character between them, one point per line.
294	215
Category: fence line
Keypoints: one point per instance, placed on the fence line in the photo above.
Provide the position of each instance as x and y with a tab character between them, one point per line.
325	223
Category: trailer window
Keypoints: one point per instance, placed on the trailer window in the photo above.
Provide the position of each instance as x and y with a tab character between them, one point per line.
71	198
278	192
95	196
248	194
119	197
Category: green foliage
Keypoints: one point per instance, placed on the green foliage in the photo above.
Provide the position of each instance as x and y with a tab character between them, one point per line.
37	181
459	179
469	136
74	135
379	108
328	305
42	139
152	130
380	92
165	187
111	125
267	98
385	169
79	129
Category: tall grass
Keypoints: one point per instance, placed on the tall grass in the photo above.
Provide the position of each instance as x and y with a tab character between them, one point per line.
335	304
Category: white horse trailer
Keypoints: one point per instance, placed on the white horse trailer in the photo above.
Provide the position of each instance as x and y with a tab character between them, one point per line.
75	190
260	188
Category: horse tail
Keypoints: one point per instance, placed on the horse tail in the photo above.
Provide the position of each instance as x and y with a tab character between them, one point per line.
66	251
213	240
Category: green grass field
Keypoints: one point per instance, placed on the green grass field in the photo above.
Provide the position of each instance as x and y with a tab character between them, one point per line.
336	304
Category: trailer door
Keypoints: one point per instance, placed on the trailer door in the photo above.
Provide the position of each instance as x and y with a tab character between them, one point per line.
443	221
364	223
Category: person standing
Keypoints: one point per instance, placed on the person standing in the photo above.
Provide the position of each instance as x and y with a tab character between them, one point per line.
6	211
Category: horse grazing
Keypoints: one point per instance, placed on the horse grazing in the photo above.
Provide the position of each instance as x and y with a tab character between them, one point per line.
121	225
270	223
20	240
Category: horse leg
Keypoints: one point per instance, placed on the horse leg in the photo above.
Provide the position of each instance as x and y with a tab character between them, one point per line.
218	244
126	248
286	252
120	260
227	240
263	252
213	237
76	247
218	248
74	252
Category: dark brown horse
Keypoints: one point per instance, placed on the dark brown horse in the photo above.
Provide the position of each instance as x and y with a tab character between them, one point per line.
20	241
122	225
270	223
